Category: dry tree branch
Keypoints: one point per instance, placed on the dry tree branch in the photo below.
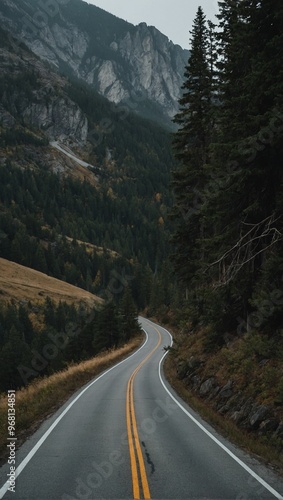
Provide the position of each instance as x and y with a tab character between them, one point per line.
246	249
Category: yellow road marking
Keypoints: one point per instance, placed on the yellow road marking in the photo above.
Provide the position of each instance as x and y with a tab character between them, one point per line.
135	478
133	437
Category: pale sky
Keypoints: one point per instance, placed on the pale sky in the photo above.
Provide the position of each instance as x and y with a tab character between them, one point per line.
172	17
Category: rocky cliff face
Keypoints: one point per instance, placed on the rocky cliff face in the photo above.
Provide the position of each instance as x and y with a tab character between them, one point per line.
155	65
125	63
60	119
33	97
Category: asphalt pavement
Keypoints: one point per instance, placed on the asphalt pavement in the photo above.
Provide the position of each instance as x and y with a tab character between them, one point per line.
128	435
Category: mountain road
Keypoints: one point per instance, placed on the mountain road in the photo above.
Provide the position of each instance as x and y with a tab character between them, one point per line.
128	435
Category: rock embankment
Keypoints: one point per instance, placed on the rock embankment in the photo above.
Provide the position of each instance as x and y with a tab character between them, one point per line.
234	404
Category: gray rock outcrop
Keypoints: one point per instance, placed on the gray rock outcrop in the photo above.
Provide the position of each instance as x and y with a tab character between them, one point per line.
245	411
45	106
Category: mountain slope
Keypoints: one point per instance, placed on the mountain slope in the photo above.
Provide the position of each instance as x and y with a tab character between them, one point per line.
100	225
118	200
32	96
136	65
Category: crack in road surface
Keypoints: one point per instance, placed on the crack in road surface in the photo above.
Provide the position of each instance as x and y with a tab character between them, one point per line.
148	459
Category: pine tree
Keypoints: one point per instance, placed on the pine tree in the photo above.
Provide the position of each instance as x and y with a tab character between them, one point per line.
232	239
49	313
105	328
127	314
191	142
251	93
14	352
243	201
60	317
26	325
194	128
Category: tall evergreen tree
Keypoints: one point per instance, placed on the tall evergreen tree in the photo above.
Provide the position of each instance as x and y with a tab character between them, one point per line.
229	247
248	137
191	144
127	314
105	328
236	233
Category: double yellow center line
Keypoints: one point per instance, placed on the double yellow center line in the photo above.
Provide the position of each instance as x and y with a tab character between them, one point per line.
136	456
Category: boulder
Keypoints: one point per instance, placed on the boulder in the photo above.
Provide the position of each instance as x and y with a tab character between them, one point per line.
196	381
269	425
224	409
182	369
193	364
258	416
212	395
279	431
207	386
226	391
237	416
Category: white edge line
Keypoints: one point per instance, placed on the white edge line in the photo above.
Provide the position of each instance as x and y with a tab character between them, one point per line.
29	456
230	453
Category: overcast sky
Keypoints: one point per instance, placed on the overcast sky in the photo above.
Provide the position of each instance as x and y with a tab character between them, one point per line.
172	17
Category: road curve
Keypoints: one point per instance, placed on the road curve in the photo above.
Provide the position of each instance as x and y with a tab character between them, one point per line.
128	435
67	152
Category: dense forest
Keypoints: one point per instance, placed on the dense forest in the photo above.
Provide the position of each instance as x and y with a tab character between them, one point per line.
62	334
228	234
39	210
228	186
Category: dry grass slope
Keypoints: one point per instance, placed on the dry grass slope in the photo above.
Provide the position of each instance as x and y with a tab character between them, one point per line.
43	397
24	284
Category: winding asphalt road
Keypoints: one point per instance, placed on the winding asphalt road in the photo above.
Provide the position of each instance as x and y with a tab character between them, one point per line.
67	152
128	435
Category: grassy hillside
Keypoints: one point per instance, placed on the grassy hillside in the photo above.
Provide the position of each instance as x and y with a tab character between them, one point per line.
20	283
44	397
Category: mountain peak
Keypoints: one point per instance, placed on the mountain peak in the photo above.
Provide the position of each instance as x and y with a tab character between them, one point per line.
142	25
137	65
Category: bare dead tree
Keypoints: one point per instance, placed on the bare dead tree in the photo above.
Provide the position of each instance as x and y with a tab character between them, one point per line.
254	240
